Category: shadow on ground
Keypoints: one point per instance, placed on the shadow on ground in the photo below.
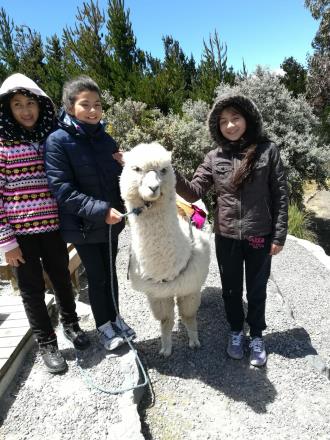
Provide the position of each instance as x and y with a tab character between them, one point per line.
321	227
236	379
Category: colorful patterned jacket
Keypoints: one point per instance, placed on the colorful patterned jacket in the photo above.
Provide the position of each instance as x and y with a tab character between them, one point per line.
26	203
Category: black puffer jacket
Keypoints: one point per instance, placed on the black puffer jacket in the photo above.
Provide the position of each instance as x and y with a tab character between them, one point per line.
84	178
259	206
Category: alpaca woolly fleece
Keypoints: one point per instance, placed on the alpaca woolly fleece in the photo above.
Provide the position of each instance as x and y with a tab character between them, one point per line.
165	257
168	259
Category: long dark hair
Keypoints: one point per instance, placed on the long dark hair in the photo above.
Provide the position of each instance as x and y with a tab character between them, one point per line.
248	147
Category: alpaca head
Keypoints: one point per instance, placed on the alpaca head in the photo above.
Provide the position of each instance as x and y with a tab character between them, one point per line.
147	175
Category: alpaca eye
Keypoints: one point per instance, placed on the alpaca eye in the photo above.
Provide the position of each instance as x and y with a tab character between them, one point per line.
137	169
163	170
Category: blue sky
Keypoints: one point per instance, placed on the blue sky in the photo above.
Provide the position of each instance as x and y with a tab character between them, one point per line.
260	31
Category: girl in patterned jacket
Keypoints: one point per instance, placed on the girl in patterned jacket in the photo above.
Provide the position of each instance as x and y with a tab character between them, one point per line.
29	225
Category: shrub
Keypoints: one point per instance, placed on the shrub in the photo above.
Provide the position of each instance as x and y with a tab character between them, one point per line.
300	223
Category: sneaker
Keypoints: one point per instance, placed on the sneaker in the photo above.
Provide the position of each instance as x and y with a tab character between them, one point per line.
108	337
122	329
235	346
76	335
258	356
52	357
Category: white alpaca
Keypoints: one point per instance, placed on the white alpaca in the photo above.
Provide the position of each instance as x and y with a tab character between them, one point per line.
168	259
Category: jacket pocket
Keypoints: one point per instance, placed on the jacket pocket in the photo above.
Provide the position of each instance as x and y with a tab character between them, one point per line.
222	171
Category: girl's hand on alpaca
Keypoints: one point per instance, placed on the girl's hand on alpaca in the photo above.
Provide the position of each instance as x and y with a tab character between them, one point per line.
113	216
14	257
119	157
275	249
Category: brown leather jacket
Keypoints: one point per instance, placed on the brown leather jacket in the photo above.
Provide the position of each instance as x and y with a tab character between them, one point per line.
258	208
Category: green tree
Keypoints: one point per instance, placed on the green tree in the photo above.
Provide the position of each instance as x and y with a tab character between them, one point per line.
85	49
9	61
320	10
212	70
167	84
318	80
55	68
30	51
295	76
127	61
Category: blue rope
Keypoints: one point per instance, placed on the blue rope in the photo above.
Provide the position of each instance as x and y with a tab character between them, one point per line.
86	376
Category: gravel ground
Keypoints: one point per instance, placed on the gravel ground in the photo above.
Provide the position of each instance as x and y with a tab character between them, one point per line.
195	394
204	394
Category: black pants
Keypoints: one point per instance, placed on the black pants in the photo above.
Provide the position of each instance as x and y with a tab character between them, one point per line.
232	255
96	259
49	252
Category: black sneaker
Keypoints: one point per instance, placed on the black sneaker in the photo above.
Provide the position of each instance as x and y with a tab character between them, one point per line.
76	335
52	358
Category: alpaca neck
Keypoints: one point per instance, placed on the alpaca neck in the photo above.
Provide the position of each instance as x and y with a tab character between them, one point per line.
161	247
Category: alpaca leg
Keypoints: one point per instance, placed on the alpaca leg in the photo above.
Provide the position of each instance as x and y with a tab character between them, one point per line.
188	306
163	311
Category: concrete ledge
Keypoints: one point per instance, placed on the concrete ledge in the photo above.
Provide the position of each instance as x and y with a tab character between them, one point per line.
17	352
130	426
314	249
13	366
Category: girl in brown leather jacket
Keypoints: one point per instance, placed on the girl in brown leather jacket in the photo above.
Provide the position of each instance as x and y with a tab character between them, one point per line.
250	219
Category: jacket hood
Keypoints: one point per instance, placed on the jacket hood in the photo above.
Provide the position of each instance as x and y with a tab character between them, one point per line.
245	106
9	128
77	128
17	82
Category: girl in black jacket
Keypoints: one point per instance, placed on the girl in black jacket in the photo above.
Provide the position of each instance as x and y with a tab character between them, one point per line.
84	178
248	176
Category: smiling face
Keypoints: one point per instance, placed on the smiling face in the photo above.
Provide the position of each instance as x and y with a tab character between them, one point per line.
25	110
87	107
232	124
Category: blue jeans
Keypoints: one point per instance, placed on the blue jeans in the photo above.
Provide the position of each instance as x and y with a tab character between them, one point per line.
96	260
232	256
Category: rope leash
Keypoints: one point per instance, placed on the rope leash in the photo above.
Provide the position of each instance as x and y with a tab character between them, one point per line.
87	376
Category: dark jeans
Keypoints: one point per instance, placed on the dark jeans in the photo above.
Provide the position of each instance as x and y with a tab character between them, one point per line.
96	259
232	255
49	252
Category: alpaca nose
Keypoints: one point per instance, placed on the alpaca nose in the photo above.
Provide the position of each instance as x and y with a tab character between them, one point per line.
153	188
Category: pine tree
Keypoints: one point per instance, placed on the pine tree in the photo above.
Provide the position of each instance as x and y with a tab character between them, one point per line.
55	69
9	61
318	79
84	45
30	51
127	62
213	69
295	76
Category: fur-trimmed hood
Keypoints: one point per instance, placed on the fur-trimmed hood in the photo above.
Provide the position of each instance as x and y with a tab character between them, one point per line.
248	109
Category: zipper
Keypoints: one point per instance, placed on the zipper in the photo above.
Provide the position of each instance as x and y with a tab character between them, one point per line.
240	214
239	202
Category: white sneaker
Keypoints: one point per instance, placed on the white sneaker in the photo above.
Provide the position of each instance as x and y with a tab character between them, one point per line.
108	337
258	355
235	345
122	329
